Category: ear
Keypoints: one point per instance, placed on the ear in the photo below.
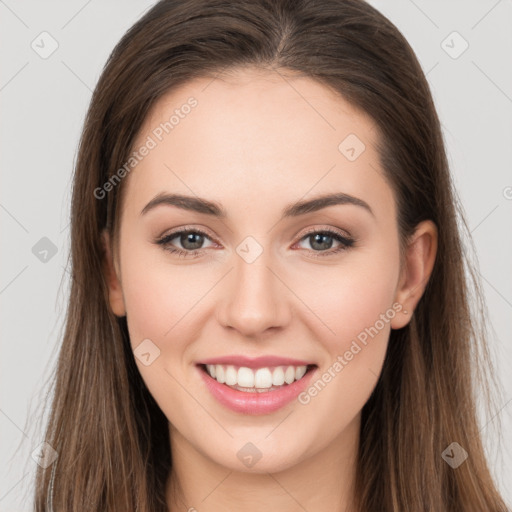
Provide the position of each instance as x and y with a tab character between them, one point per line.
115	294
420	255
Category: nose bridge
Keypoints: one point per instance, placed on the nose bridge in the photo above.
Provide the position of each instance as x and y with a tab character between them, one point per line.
255	298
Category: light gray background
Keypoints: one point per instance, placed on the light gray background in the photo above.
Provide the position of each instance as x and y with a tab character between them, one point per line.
43	106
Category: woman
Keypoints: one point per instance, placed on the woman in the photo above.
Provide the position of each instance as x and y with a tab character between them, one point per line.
269	304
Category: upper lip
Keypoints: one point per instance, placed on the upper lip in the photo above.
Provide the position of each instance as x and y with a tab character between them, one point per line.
255	362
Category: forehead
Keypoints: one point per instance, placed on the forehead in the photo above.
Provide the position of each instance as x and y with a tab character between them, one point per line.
256	138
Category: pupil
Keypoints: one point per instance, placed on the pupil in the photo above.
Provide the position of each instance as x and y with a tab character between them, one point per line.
189	238
320	236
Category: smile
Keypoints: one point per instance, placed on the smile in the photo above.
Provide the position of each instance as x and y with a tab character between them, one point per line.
255	390
259	380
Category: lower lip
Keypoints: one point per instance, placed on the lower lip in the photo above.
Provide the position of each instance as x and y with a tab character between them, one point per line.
255	403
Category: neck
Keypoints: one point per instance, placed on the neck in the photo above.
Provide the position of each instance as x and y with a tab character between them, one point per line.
322	481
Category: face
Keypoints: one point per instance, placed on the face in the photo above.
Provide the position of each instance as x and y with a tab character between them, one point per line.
251	274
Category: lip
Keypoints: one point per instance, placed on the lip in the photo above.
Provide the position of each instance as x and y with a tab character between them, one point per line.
255	362
255	403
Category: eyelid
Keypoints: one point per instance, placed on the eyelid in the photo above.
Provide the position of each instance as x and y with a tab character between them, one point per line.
165	242
182	229
329	229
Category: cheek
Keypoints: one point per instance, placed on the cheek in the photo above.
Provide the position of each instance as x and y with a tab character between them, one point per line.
165	303
161	301
351	297
159	296
359	305
357	308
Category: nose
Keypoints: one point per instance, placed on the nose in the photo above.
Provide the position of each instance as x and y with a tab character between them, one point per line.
255	298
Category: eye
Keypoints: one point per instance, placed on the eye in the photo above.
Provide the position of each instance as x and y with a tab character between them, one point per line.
322	240
190	239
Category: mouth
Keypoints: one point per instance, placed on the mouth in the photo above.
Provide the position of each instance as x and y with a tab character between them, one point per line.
256	390
256	380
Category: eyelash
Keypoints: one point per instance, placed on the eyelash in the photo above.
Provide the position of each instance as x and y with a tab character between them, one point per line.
346	242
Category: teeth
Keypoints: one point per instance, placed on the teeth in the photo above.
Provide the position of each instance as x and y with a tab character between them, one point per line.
220	374
245	377
262	378
299	372
211	369
231	376
278	376
289	375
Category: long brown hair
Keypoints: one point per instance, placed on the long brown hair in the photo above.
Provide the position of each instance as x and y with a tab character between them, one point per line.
111	437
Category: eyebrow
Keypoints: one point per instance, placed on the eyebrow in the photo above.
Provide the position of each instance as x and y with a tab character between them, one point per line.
200	205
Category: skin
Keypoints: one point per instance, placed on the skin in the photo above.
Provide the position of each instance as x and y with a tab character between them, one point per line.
256	142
